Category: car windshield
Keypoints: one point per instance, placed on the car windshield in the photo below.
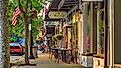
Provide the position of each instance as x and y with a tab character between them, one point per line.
16	47
14	44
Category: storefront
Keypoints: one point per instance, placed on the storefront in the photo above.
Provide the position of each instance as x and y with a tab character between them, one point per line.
115	34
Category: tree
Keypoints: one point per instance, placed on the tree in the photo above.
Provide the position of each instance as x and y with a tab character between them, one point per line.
37	22
6	35
24	19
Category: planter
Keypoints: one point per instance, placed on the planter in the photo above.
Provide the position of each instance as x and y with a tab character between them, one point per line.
57	37
98	62
54	38
87	60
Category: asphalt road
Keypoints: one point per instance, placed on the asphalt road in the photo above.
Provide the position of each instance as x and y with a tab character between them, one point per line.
14	58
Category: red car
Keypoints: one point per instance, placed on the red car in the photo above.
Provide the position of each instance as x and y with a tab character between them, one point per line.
16	48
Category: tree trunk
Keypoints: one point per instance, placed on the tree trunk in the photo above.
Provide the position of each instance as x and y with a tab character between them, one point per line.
6	35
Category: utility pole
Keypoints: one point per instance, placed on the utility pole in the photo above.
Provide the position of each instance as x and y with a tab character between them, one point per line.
26	33
6	33
30	36
1	36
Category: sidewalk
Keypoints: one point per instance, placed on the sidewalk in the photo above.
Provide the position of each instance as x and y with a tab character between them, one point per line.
43	61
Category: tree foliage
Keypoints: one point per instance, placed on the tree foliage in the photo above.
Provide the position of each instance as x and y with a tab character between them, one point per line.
36	22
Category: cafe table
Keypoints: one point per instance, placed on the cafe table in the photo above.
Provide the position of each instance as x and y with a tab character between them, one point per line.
64	54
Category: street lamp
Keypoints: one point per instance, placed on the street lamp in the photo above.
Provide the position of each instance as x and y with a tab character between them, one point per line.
30	36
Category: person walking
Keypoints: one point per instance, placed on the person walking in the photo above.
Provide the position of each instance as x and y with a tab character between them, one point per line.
75	53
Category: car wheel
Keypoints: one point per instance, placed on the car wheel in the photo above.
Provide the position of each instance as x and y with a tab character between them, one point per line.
20	54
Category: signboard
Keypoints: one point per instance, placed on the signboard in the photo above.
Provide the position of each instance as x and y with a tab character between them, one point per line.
76	17
49	35
92	0
56	14
30	27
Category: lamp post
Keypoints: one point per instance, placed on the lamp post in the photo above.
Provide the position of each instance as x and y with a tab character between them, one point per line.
105	32
26	34
30	35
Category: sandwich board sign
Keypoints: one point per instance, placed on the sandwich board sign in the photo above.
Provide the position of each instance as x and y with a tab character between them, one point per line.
92	0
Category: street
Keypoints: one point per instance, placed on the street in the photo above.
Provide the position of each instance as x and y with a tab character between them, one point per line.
16	58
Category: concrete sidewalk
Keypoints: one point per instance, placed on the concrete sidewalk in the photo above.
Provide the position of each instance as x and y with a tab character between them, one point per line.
43	61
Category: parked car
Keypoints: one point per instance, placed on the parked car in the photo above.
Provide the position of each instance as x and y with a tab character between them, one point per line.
16	48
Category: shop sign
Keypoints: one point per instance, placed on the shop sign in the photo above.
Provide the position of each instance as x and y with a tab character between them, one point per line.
49	35
57	14
92	0
76	17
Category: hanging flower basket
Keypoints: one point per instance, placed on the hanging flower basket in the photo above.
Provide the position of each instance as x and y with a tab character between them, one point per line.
54	38
57	37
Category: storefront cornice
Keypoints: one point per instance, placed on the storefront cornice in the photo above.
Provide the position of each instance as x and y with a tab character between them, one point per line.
67	3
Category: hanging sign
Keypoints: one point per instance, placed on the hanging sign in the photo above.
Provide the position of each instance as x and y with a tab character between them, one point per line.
56	14
92	0
49	35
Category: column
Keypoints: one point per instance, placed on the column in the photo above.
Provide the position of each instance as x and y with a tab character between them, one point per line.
84	21
98	32
111	26
93	21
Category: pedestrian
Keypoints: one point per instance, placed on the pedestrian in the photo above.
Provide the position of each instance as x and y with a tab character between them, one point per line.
69	56
75	53
56	55
51	51
79	58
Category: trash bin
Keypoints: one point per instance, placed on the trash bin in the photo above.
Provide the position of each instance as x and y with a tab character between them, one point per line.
35	52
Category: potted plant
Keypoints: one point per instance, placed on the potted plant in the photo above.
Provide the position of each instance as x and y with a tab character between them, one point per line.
54	38
59	36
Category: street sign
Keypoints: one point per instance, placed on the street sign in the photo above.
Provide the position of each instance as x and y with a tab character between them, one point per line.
92	0
30	27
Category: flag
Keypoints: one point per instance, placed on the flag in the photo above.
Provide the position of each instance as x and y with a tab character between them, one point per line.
44	11
15	14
